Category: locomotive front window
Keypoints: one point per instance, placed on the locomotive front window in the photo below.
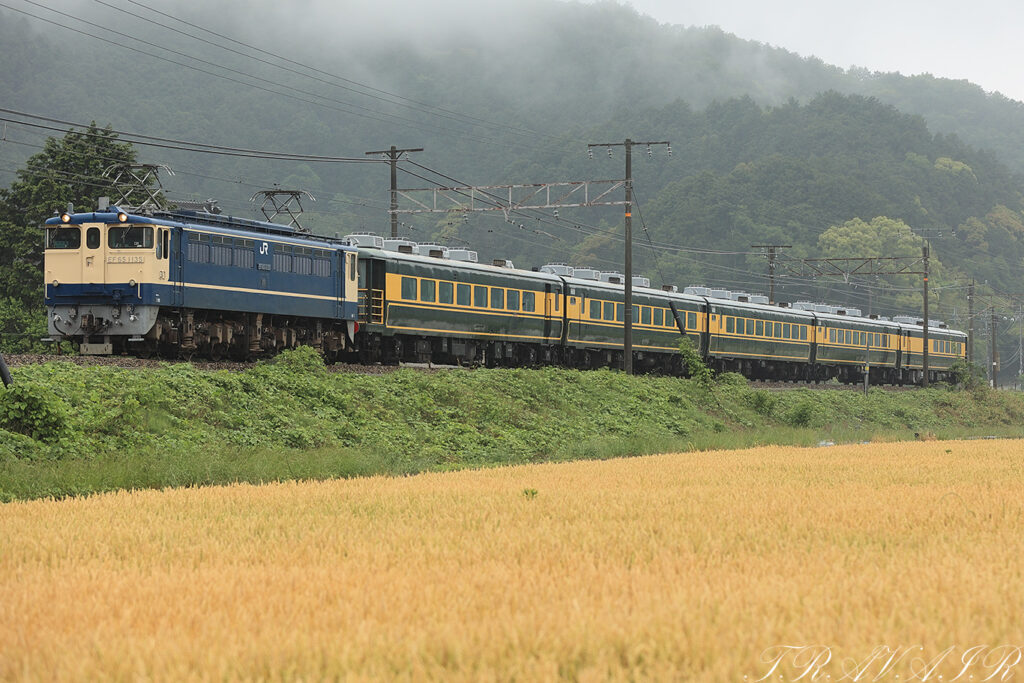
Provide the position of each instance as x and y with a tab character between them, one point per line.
63	238
130	237
92	238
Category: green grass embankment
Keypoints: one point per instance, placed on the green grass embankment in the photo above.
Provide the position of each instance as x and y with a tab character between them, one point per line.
71	430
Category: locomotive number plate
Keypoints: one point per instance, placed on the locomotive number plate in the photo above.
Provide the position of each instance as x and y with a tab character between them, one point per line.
126	259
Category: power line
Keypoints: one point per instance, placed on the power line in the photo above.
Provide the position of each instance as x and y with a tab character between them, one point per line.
181	145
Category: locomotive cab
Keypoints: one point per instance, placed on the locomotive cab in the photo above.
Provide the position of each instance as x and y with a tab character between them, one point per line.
107	274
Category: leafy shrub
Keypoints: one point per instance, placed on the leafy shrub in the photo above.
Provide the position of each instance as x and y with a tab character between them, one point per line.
763	402
803	414
32	411
694	364
302	359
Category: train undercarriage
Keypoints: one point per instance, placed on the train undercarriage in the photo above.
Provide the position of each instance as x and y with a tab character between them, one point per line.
217	335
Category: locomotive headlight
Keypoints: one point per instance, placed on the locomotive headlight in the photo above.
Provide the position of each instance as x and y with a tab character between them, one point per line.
65	217
122	217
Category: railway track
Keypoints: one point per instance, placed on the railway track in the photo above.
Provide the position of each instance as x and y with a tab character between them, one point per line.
130	362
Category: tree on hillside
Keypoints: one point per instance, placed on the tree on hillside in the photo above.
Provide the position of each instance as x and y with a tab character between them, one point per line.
884	237
69	169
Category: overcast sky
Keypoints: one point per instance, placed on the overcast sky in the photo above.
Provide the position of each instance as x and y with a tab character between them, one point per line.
979	40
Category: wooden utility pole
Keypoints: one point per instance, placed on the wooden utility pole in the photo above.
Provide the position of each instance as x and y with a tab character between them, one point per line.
627	317
393	155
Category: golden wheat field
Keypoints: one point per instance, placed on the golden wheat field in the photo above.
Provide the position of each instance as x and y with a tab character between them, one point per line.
676	567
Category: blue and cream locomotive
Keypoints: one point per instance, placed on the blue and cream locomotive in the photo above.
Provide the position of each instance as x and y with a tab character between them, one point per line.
194	282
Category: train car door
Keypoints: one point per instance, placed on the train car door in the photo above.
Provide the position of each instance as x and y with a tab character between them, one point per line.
94	256
547	310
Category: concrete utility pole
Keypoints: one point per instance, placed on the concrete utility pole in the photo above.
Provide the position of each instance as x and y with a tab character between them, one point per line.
970	322
393	155
924	358
627	317
995	351
771	253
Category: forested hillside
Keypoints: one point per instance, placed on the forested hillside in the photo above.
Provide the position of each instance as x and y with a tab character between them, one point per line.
767	146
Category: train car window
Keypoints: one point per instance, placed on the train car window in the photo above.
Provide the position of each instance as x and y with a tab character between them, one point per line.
557	299
778	331
885	340
512	300
92	238
803	333
595	310
832	335
785	330
445	292
528	302
63	238
659	316
620	310
409	288
480	296
497	297
759	328
130	237
729	325
645	315
428	290
691	321
609	310
636	313
750	327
